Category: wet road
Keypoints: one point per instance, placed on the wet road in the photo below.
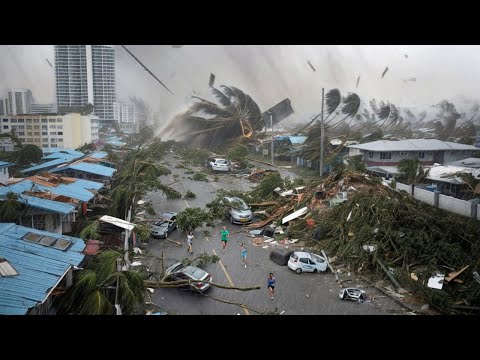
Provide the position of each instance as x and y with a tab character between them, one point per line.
303	294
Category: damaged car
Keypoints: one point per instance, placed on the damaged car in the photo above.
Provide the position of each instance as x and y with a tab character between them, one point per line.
306	262
352	294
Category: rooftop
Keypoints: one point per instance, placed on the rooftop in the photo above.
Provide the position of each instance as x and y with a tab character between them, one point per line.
412	145
88	168
39	267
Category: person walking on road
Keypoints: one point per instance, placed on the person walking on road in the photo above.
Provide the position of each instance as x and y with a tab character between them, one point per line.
243	249
189	242
271	285
224	237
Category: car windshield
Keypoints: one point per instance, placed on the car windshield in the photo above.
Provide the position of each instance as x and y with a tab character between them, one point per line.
317	258
221	162
161	223
239	204
195	272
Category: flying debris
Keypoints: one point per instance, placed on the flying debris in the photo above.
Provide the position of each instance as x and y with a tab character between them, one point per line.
278	112
176	46
406	56
309	63
384	72
49	63
136	59
358	80
409	79
212	80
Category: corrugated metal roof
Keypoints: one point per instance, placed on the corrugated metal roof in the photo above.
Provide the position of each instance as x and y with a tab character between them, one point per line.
39	267
412	145
98	155
39	203
5	164
297	139
77	190
89	168
67	151
48	164
59	155
469	162
446	173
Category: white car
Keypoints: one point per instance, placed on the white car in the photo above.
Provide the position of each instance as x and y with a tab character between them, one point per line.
220	164
306	262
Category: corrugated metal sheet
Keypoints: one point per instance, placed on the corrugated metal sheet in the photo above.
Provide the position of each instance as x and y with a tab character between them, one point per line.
98	155
44	204
6	269
45	165
77	190
88	168
59	155
39	267
297	140
412	145
5	164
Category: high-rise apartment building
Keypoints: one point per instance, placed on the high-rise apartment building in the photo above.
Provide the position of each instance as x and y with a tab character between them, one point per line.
86	74
126	114
17	102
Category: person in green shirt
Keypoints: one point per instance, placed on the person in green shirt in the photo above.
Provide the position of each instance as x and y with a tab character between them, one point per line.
224	237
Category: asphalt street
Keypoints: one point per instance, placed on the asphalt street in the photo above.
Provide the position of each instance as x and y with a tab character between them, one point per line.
295	294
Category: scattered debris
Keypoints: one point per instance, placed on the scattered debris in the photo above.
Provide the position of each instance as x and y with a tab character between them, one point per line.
295	215
358	81
436	281
175	242
352	294
151	290
369	248
476	276
453	275
413	276
309	63
425	307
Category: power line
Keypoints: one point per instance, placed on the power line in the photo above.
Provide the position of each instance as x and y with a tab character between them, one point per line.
136	59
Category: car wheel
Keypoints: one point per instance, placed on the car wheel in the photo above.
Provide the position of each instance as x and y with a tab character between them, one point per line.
315	271
166	234
298	271
231	219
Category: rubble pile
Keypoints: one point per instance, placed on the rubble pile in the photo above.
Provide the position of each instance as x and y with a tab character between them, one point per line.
431	252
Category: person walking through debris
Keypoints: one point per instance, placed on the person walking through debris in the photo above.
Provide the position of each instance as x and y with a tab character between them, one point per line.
189	242
243	249
224	237
271	285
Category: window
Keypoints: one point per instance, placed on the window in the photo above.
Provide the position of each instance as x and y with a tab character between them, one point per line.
5	120
44	120
370	154
29	127
21	120
51	120
48	241
60	140
36	127
21	133
29	133
55	145
36	121
52	127
36	133
29	139
385	155
6	269
14	127
403	154
45	127
59	126
5	126
44	133
36	140
13	120
421	155
59	120
53	133
29	121
60	133
45	140
21	127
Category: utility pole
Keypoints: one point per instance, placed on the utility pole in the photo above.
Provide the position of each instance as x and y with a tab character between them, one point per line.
271	125
322	138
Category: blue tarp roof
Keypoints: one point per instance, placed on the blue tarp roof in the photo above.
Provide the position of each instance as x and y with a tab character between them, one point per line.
89	168
77	190
39	267
44	166
44	204
5	164
60	155
98	155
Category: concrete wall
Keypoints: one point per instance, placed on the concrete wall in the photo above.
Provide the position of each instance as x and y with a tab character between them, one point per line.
424	196
455	205
448	203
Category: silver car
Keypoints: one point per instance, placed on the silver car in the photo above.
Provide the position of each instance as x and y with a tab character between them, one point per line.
164	226
179	271
237	211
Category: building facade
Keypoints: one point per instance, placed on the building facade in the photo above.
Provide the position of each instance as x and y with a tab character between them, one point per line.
48	131
85	74
126	114
43	109
17	101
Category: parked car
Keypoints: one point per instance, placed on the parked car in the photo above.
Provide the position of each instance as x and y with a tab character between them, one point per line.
164	226
307	262
352	294
237	211
180	271
218	164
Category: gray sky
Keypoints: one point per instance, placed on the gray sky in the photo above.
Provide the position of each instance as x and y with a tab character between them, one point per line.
269	73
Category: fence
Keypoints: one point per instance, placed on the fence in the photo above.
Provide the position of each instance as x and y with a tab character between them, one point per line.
461	207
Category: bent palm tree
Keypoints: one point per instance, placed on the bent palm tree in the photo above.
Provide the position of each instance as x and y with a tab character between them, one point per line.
412	171
209	124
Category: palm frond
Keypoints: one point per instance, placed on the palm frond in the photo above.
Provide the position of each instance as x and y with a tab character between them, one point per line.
332	100
221	97
352	104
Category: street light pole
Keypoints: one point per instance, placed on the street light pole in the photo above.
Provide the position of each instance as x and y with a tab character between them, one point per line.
322	138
